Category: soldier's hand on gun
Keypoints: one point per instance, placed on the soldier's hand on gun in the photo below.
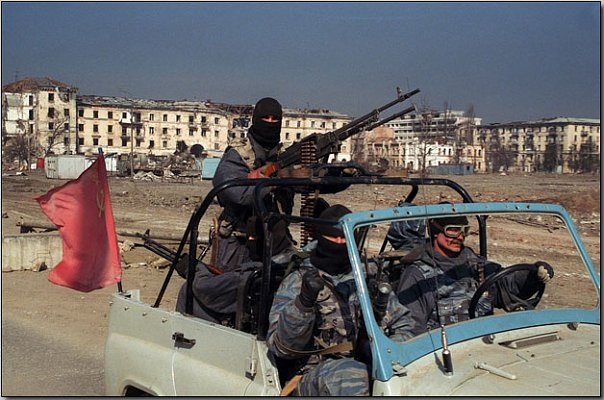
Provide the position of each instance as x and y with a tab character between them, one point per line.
312	284
545	272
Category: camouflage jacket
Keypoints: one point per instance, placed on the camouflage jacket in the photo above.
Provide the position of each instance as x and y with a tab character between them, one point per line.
437	289
335	319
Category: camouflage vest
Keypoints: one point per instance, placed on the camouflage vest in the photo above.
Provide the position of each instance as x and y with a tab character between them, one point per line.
452	297
339	317
245	150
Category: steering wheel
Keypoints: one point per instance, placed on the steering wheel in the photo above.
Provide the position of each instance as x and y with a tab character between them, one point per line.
517	303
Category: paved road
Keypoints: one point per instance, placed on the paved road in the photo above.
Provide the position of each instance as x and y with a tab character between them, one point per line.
36	364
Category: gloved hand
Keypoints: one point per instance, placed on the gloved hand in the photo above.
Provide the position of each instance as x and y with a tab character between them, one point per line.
545	271
312	284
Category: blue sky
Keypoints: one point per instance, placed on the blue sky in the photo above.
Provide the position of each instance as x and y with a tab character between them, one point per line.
511	61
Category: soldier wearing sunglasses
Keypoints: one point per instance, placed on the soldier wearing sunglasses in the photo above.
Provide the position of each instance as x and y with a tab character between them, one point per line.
441	276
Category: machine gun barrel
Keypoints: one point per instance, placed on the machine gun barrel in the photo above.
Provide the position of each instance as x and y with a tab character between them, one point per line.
328	143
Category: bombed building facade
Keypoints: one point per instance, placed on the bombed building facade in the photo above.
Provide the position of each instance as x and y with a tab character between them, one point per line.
42	116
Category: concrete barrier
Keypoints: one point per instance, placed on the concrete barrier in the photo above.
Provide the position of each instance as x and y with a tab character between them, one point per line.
27	252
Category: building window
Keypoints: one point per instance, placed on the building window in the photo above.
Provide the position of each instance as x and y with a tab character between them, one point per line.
51	112
80	113
124	131
81	141
178	130
66	140
216	134
164	144
299	123
164	131
31	100
66	127
323	124
66	112
109	142
95	141
95	128
312	124
286	135
178	118
151	144
51	126
138	142
216	121
191	132
333	125
203	119
124	142
80	127
216	146
31	115
151	117
298	136
151	130
191	119
110	114
95	114
124	115
109	128
165	118
51	97
204	132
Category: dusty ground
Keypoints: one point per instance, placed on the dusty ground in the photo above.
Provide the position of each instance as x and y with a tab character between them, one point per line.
165	207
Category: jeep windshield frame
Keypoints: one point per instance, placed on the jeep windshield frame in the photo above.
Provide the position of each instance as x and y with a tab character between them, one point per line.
387	354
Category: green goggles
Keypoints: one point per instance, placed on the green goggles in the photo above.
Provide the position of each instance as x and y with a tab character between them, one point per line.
453	231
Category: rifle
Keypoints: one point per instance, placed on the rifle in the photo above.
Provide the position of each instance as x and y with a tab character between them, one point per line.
329	143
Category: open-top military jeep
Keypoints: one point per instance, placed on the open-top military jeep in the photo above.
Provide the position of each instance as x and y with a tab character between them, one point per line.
548	344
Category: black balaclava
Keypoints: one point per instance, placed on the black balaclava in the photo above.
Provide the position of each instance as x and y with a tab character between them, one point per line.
329	256
267	134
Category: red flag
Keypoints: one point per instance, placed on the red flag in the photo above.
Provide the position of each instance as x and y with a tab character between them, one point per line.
81	209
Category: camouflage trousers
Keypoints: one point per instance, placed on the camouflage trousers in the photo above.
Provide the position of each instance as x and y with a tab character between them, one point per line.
342	377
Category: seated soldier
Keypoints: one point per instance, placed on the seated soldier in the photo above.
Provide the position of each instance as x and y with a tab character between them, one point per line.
316	318
441	277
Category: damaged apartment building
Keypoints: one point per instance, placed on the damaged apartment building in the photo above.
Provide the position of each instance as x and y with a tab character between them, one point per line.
54	120
42	116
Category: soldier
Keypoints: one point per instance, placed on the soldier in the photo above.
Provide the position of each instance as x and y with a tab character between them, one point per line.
239	235
442	275
248	158
316	319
